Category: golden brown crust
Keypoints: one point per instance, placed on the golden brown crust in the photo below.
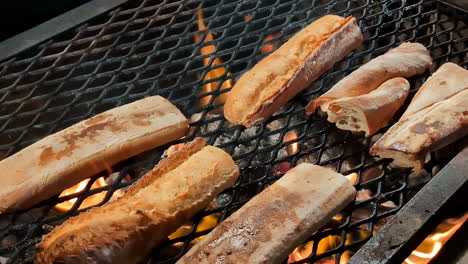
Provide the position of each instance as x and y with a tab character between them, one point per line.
287	71
412	137
125	230
406	60
84	149
299	203
369	112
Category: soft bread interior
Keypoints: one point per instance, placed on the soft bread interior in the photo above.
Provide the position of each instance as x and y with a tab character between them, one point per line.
348	117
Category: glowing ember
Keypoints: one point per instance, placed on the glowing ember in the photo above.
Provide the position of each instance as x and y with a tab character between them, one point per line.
352	178
432	245
266	48
90	200
215	73
294	147
289	150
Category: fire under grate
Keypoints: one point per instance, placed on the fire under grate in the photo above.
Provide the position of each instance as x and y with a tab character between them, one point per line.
146	48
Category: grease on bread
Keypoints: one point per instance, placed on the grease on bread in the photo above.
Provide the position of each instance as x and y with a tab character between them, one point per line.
295	65
369	112
125	230
67	157
269	226
413	136
406	60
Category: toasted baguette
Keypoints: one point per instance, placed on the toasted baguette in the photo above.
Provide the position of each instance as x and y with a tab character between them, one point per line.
65	158
124	231
369	112
448	80
406	60
290	69
410	139
268	227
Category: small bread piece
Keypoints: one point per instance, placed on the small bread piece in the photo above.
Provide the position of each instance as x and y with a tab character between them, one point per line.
406	60
125	230
295	65
448	80
369	112
268	227
411	138
65	158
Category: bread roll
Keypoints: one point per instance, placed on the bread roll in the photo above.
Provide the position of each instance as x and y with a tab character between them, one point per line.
410	139
369	112
65	158
448	80
406	60
125	230
268	227
290	69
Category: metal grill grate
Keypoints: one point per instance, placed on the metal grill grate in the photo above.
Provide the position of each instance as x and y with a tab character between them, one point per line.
147	47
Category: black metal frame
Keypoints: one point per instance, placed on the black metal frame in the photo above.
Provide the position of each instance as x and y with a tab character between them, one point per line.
55	26
406	230
146	47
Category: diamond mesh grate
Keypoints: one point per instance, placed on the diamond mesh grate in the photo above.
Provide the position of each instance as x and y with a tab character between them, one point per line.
147	48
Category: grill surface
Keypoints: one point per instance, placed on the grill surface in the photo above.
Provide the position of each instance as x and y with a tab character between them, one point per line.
147	47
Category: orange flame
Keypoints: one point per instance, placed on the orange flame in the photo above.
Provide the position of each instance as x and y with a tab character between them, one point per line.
432	245
266	47
215	73
325	244
207	222
90	200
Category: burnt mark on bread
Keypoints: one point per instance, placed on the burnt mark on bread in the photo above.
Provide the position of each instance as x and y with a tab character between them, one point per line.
91	132
97	119
142	119
48	155
72	139
246	233
422	127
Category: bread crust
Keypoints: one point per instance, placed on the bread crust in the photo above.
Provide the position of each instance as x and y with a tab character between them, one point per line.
369	112
412	137
295	65
406	60
448	80
65	158
268	227
125	230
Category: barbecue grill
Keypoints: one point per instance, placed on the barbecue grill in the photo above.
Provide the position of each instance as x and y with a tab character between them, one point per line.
143	47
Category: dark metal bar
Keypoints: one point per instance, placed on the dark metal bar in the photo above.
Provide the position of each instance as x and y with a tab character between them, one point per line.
57	25
397	238
458	4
